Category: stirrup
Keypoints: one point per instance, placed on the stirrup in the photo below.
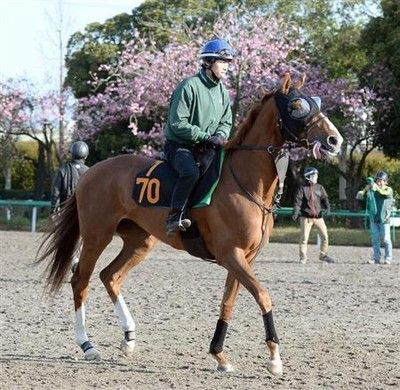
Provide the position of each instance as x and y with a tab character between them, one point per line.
177	222
184	223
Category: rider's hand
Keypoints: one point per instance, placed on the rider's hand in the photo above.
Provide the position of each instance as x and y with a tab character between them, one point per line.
295	217
214	141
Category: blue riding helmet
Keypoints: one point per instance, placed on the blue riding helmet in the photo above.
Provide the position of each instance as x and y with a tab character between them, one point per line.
309	171
218	49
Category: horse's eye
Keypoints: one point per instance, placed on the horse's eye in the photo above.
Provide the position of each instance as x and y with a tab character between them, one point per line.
299	108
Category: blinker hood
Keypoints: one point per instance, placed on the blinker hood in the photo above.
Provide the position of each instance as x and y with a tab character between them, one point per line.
296	110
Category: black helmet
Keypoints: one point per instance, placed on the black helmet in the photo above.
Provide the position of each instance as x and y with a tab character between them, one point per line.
79	150
382	175
309	171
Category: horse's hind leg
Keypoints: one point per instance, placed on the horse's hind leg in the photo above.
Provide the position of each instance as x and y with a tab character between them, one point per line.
137	243
92	248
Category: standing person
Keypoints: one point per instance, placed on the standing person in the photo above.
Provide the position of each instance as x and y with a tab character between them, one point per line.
66	179
311	203
199	112
379	206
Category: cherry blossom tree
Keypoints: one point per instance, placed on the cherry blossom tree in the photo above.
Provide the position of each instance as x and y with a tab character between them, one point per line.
145	76
24	112
12	118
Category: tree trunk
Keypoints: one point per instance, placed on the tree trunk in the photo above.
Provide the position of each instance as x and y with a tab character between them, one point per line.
292	183
353	185
40	173
342	179
7	177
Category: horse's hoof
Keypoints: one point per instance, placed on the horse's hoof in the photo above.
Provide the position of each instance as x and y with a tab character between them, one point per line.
127	347
225	367
275	367
92	354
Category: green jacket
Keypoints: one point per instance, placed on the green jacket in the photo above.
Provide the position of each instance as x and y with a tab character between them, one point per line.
199	108
379	203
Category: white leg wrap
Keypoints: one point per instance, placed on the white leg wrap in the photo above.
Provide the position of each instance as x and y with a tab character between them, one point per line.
128	325
81	337
124	316
80	332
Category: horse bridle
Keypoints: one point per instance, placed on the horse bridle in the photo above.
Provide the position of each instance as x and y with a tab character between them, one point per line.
280	154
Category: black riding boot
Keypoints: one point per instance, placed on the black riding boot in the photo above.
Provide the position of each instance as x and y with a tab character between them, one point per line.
176	221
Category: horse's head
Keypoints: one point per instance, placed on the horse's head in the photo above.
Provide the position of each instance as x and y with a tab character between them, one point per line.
301	120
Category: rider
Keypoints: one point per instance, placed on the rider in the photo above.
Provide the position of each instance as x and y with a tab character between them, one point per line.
66	178
199	111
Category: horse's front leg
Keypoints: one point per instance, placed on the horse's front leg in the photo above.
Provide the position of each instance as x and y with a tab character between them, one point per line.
232	287
236	264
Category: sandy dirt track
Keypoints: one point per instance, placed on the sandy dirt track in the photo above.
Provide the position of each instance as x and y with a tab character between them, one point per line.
339	324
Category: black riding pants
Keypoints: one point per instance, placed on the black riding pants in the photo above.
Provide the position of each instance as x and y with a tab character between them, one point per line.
183	161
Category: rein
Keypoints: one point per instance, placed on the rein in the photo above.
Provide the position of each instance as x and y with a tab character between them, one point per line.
281	160
280	153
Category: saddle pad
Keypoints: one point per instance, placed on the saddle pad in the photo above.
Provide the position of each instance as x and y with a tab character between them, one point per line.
153	185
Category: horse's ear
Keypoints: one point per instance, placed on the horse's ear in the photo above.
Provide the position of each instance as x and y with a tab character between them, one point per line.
285	83
299	83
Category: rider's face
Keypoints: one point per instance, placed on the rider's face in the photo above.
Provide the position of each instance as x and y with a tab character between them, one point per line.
313	178
380	182
220	68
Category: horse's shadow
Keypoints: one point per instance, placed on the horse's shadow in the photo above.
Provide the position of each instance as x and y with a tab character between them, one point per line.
129	366
51	359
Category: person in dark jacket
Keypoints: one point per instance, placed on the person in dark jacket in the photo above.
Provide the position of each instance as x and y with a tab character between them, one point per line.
310	204
66	178
65	181
199	113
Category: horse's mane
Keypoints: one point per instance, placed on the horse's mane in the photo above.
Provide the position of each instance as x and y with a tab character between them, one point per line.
248	122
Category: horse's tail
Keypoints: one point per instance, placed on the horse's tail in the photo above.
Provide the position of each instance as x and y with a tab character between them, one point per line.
60	244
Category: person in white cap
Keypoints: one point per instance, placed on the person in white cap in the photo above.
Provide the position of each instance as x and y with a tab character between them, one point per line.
310	205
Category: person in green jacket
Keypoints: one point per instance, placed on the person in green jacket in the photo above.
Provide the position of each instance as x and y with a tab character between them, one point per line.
199	113
379	197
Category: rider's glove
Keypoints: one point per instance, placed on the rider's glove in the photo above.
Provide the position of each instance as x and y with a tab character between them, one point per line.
214	141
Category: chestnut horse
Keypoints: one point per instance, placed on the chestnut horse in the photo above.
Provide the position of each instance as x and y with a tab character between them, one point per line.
233	226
